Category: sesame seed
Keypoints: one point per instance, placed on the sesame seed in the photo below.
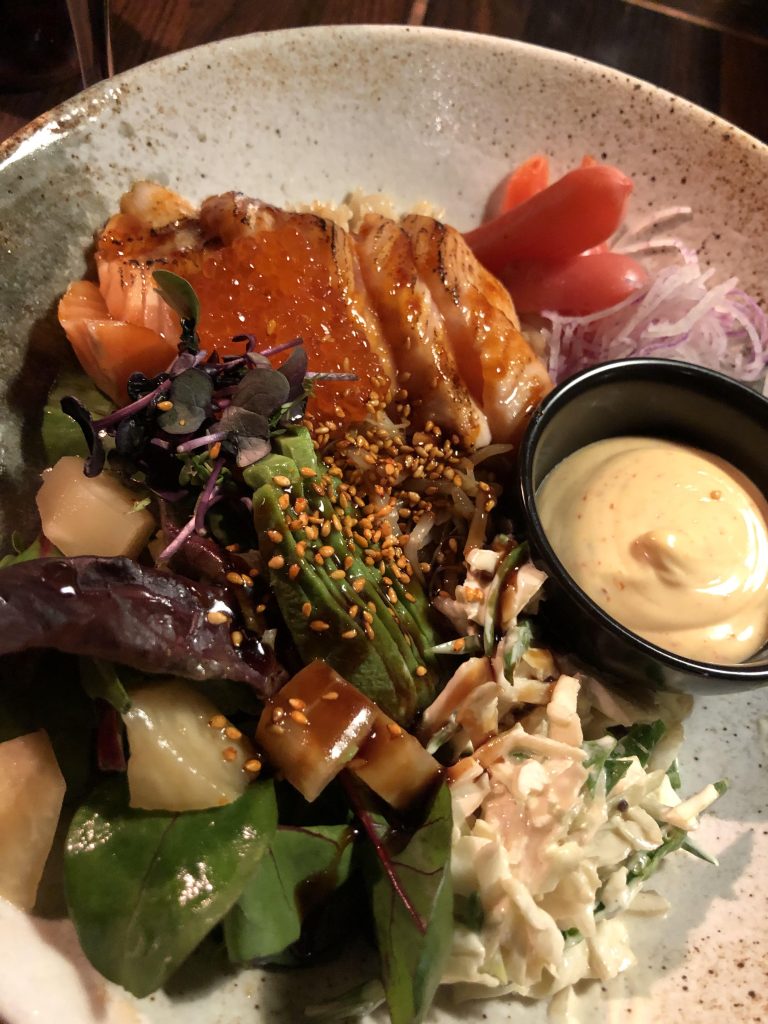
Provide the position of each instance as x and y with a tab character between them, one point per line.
301	547
360	540
300	505
358	584
307	471
261	608
349	562
421	671
327	551
277	714
297	703
394	729
236	637
217	618
294	571
281	481
353	610
409	597
165	405
367	615
218	722
349	634
319	560
215	450
369	631
325	530
299	718
236	578
331	695
275	536
392	595
276	562
306	609
319	626
232	733
338	574
278	730
229	754
253	765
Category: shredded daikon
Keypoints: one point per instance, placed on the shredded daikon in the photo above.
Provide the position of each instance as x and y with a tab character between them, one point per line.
680	314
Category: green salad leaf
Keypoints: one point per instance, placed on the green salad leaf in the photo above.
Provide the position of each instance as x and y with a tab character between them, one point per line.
101	680
411	962
61	434
145	887
301	868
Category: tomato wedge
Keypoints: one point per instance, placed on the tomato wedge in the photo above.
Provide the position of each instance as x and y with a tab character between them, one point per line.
526	180
577	212
577	287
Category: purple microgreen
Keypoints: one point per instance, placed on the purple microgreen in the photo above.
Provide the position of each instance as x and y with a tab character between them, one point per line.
261	391
313	376
249	339
250	450
181	297
201	442
131	436
293	343
258	359
75	409
177	542
191	394
294	369
208	494
111	420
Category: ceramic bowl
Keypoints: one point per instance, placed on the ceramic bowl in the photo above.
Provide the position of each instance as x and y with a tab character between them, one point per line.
294	115
642	398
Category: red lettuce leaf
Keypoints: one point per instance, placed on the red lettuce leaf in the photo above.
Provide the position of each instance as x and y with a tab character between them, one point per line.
116	609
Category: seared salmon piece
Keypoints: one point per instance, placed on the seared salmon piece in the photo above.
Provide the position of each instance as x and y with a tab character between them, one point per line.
256	270
109	350
416	332
500	369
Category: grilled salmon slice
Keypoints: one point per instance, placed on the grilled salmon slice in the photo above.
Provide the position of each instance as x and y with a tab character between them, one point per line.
416	332
500	369
109	350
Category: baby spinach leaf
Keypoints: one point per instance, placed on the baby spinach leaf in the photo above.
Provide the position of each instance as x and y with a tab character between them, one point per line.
349	1006
101	681
61	434
412	963
145	887
302	867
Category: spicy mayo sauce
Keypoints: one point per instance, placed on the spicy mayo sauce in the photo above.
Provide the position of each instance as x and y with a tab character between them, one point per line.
669	540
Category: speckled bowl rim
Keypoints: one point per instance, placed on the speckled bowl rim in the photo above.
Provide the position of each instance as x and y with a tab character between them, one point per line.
707	120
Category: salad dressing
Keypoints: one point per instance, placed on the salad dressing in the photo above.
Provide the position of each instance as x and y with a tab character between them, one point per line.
669	540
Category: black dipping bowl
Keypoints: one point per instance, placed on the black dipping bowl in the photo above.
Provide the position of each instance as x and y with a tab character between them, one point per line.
657	398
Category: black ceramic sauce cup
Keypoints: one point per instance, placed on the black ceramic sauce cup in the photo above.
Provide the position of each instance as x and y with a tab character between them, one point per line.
640	397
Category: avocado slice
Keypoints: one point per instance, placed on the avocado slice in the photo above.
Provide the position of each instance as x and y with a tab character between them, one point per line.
378	668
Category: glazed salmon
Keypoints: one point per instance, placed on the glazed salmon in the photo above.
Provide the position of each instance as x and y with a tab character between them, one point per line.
110	350
417	334
498	365
401	305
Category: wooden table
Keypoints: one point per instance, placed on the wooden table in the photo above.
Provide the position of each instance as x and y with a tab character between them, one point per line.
713	52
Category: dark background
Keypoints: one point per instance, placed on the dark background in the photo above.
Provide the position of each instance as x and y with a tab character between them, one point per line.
713	52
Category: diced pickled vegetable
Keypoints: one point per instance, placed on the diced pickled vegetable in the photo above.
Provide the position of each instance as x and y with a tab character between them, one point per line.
91	515
394	764
184	755
31	793
314	726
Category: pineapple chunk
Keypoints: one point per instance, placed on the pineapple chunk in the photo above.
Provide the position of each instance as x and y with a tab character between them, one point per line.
83	515
394	764
184	754
31	794
313	727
